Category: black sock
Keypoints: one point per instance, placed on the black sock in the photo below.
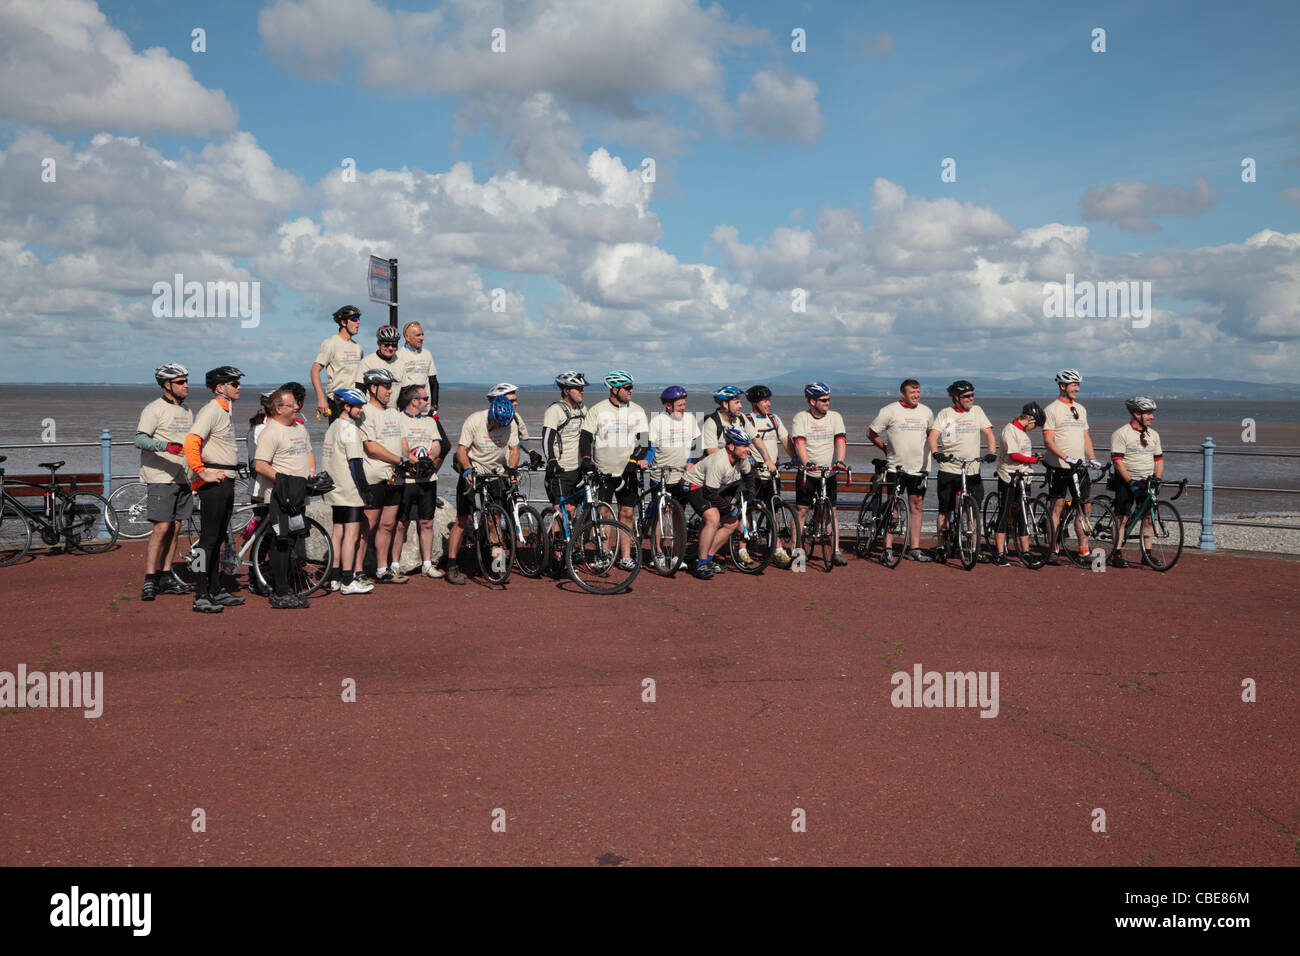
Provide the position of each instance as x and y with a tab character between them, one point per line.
152	578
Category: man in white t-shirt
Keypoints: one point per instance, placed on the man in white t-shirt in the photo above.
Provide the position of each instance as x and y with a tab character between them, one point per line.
343	457
387	343
1068	442
160	436
284	452
614	443
488	446
958	429
819	438
418	367
385	467
899	429
338	356
1137	454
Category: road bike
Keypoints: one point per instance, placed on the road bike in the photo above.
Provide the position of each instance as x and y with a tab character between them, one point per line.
1025	518
963	533
491	532
1095	516
79	520
526	528
753	544
1161	535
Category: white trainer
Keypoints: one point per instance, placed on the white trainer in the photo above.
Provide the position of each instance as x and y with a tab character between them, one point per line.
358	586
431	571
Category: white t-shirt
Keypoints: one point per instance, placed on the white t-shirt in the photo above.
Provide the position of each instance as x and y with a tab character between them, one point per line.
673	437
1069	430
617	430
905	430
959	434
342	443
819	435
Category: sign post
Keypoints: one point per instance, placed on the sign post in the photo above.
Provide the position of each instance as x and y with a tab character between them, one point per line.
382	280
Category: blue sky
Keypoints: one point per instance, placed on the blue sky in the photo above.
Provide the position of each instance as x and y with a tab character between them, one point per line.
775	169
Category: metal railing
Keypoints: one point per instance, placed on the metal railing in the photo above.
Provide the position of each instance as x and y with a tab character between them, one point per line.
1207	487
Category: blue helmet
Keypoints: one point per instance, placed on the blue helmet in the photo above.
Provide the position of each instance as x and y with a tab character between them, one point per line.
816	390
736	436
501	411
726	393
349	396
672	393
618	379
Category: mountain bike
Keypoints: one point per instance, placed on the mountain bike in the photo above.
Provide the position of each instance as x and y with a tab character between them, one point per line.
818	532
753	543
491	531
963	533
883	516
526	529
1025	518
661	520
80	520
590	543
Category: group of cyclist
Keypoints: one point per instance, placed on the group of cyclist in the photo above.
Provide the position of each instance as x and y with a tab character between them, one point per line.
385	444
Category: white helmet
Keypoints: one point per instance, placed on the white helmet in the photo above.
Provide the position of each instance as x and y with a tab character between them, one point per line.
172	370
1068	376
1140	404
502	388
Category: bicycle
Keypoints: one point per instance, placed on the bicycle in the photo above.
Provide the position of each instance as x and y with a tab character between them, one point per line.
1162	549
590	542
818	533
784	519
661	520
884	514
753	543
81	520
490	531
130	504
526	529
1098	521
1025	518
963	535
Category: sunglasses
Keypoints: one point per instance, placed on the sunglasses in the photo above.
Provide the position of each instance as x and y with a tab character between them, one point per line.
822	401
967	395
1075	412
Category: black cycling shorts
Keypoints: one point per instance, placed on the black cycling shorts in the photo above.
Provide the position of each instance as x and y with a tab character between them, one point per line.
564	484
949	484
625	495
419	501
806	488
465	497
380	494
345	514
1058	483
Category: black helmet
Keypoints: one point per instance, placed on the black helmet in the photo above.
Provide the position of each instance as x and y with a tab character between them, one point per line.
959	386
299	393
347	312
1035	411
388	333
221	375
378	376
756	393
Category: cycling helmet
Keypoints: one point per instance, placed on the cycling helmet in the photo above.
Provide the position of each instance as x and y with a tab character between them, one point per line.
346	313
1140	404
726	393
1035	411
172	370
265	399
618	379
756	393
378	376
816	390
959	386
736	436
501	411
349	396
672	393
388	333
571	379
221	375
1068	376
501	388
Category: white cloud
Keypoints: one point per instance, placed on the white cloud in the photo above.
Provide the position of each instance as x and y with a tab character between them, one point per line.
1132	206
63	67
780	107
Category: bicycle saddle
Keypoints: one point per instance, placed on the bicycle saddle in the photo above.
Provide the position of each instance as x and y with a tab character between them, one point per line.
52	465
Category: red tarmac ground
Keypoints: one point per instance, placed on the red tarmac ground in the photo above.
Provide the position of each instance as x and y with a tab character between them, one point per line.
1120	691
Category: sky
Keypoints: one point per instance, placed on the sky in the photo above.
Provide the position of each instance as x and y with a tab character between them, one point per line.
863	188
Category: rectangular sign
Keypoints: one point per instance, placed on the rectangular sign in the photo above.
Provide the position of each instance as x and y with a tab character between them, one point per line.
380	277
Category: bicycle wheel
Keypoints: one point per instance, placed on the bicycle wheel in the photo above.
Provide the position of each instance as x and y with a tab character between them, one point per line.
495	546
592	557
967	533
15	534
129	503
310	560
1166	545
88	524
667	536
989	514
530	555
866	525
1099	524
1034	530
897	519
759	543
786	525
552	540
818	538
